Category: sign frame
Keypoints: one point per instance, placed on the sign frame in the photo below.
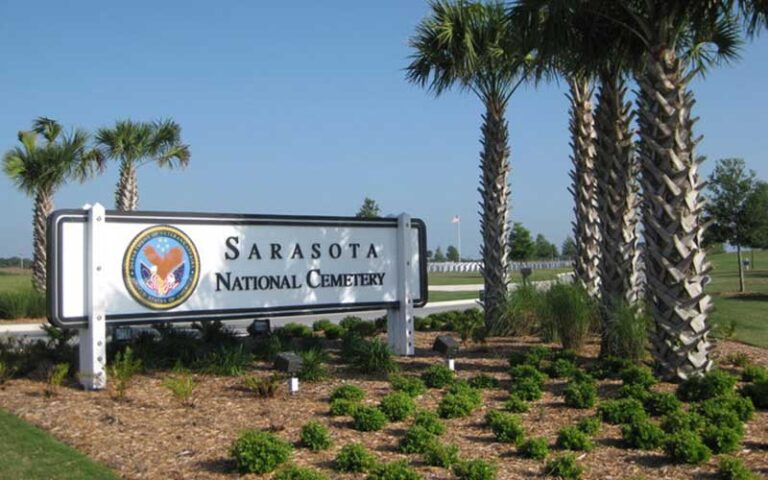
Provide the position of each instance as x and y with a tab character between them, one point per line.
55	252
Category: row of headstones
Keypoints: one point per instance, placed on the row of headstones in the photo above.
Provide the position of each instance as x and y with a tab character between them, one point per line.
444	267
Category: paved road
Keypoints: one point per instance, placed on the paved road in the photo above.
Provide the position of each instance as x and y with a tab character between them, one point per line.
33	331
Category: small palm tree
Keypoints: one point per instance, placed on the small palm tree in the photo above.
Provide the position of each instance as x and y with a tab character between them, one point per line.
39	170
134	144
469	45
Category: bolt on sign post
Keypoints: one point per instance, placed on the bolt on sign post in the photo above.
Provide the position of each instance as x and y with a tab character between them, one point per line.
109	268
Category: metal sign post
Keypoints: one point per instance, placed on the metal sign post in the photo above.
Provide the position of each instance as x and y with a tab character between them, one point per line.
93	342
400	319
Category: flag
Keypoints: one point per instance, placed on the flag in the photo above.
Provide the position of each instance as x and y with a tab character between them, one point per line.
455	219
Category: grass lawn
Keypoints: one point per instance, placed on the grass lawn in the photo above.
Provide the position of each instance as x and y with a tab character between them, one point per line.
748	311
11	280
447	296
29	453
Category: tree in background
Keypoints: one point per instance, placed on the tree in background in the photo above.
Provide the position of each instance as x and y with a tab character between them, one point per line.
734	214
369	209
430	254
568	249
39	170
439	255
521	246
452	253
757	216
470	46
543	249
134	144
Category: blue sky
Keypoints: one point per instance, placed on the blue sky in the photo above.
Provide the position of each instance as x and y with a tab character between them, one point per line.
303	109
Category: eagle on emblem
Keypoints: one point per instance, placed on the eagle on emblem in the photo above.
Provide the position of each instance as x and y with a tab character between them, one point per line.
166	272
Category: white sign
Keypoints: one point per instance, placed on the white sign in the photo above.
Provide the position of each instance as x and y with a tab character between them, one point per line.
185	266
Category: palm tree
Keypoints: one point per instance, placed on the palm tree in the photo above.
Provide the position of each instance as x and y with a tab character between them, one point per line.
469	45
39	170
134	144
676	265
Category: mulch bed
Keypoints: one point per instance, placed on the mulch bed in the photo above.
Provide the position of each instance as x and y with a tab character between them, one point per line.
151	436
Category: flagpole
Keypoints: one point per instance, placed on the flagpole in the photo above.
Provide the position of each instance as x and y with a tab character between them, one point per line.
458	234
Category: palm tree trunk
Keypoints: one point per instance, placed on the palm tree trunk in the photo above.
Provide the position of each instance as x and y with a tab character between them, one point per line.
127	192
43	208
676	265
584	189
618	199
494	190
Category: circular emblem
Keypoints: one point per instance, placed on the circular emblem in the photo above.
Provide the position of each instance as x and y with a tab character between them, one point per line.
161	267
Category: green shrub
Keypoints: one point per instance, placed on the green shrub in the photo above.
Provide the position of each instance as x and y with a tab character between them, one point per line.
226	360
294	330
438	454
483	381
643	434
625	410
515	404
321	325
313	365
122	370
264	387
476	469
572	311
256	451
722	439
467	324
732	468
521	313
609	367
25	303
334	332
681	420
374	356
562	368
6	372
348	392
56	376
527	372
638	375
413	386
358	326
661	403
565	466
571	438
292	472
527	389
182	386
315	436
580	394
712	384
416	439
757	392
626	332
353	457
728	410
754	373
686	447
398	470
461	387
506	427
536	448
429	421
455	406
638	392
589	425
438	376
368	419
397	406
341	407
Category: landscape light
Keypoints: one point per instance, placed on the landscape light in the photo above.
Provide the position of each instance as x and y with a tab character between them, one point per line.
290	363
448	347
